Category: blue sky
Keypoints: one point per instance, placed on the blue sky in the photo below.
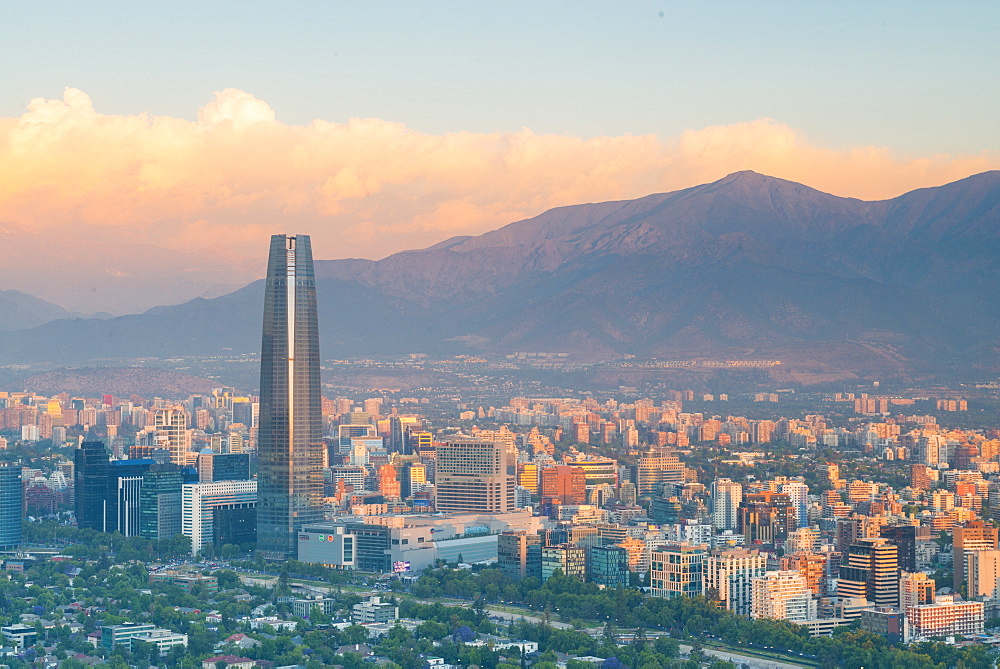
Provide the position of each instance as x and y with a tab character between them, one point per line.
916	77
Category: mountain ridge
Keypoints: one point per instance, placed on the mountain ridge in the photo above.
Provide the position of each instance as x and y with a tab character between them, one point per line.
747	263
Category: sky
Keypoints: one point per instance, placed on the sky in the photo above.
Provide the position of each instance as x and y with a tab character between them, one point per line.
383	126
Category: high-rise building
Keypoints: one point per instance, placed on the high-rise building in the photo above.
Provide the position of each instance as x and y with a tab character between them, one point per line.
766	518
223	467
982	569
811	565
91	483
160	502
870	570
798	495
905	537
173	424
290	434
728	575
655	469
519	554
219	513
726	498
474	476
123	509
975	536
563	484
782	595
570	559
11	507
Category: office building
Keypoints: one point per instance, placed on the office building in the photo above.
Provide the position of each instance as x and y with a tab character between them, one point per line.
474	476
905	538
519	554
975	536
563	484
290	423
726	498
886	621
657	468
11	507
571	560
782	595
214	467
677	570
91	483
608	566
160	502
219	513
870	570
766	518
728	575
123	496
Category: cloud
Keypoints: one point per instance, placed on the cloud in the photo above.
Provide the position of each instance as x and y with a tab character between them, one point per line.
369	187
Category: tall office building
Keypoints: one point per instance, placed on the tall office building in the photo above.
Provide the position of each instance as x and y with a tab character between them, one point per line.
91	483
160	502
11	507
726	498
870	570
290	434
475	476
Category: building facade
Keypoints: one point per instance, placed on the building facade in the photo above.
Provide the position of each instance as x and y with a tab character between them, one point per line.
290	429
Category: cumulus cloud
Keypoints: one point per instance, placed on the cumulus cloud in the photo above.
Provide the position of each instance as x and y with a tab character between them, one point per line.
369	187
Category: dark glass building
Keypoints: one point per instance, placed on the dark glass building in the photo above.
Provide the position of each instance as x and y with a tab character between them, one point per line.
160	502
91	483
11	507
290	431
124	495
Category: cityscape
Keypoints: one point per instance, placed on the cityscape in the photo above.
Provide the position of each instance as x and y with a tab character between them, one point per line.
499	336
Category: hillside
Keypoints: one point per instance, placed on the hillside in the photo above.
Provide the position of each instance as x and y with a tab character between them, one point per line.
745	267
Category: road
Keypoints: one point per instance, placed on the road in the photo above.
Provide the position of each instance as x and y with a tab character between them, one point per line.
737	659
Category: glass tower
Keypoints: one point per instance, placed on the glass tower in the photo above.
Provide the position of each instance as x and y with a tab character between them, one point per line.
289	479
11	507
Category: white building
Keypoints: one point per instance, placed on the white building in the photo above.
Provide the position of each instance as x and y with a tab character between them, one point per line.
726	498
199	501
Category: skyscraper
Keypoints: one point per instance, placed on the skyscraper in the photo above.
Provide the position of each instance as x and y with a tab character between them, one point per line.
11	507
290	483
91	474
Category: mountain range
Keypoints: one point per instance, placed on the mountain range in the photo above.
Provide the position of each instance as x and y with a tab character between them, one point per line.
747	267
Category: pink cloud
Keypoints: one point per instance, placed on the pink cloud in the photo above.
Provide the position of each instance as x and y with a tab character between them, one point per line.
369	187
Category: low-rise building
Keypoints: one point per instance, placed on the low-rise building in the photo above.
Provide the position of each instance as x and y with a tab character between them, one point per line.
947	616
374	611
21	636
